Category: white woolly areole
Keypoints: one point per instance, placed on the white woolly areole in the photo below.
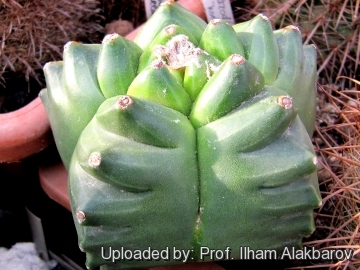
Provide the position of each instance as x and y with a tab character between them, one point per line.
179	52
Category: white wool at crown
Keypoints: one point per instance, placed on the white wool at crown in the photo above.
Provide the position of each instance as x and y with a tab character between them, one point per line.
22	256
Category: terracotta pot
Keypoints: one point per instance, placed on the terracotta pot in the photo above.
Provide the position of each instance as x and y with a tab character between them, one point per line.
24	132
53	180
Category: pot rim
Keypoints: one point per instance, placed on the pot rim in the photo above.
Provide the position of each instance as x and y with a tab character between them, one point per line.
24	132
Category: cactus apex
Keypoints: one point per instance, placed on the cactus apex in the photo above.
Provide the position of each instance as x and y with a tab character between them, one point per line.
94	160
285	101
124	102
262	16
111	37
167	2
237	59
69	43
315	160
80	216
215	21
292	28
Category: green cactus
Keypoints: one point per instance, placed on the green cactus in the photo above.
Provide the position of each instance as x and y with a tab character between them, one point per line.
332	25
187	140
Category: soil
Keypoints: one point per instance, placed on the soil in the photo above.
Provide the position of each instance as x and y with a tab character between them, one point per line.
16	91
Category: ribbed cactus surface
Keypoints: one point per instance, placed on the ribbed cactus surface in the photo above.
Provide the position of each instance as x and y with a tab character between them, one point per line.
192	136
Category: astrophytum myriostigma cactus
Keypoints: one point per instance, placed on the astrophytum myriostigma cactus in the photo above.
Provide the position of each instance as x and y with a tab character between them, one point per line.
194	136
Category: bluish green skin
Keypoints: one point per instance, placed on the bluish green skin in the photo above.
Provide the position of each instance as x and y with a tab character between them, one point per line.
250	159
242	175
115	75
195	78
260	46
166	15
230	86
218	32
146	185
297	73
65	100
159	85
